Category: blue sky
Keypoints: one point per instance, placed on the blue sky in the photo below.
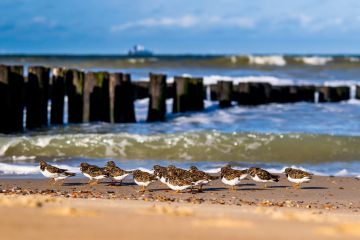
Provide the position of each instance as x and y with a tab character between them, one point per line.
180	26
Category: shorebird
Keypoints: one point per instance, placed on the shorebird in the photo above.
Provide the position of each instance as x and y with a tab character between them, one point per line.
115	172
93	172
143	179
179	183
261	175
297	176
201	177
161	173
232	177
54	173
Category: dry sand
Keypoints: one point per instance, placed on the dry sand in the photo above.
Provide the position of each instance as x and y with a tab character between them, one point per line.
327	208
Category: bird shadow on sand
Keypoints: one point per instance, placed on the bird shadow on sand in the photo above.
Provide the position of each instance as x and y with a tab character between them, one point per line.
279	186
213	189
314	188
70	184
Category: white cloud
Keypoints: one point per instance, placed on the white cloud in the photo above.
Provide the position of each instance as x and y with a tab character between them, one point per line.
43	21
187	22
318	24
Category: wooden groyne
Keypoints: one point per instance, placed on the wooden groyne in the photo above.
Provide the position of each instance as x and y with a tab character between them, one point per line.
109	97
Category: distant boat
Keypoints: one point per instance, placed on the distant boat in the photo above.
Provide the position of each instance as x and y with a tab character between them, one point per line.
139	50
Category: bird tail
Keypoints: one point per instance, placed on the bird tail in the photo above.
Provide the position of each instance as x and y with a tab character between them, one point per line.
275	178
70	174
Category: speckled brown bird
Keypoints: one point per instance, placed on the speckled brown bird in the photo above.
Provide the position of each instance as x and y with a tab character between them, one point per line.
179	183
115	172
174	171
93	172
143	179
232	177
161	173
54	173
297	176
261	175
202	178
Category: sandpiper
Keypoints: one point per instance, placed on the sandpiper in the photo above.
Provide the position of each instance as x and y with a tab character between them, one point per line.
201	177
297	176
93	172
179	183
161	173
143	179
54	173
115	172
261	175
232	177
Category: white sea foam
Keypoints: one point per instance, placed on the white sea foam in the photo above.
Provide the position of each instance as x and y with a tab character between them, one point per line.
276	60
315	60
18	169
212	79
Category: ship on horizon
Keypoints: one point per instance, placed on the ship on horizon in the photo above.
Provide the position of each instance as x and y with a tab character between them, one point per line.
140	51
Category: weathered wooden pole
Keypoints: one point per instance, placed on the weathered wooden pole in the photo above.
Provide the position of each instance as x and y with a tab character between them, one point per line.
214	89
57	95
11	99
252	93
333	94
123	98
141	89
195	94
74	80
357	93
157	95
16	98
188	94
225	89
97	97
37	95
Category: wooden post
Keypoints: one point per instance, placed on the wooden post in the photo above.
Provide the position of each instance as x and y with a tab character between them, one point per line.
74	80
57	96
97	97
189	94
333	94
180	101
123	100
251	93
141	89
357	94
225	89
37	95
157	101
214	90
195	95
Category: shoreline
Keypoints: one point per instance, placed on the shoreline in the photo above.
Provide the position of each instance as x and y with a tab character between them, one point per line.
322	193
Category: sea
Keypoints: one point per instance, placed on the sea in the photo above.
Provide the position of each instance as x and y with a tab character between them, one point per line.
323	138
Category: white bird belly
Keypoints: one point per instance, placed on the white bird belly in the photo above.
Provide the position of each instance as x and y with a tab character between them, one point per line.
298	180
48	174
257	179
178	188
145	184
122	177
231	182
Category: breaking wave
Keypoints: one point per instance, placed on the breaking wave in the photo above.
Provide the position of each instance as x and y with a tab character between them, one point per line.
191	146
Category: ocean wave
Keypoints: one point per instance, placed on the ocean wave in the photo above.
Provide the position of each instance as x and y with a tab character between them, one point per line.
275	60
191	146
314	60
213	79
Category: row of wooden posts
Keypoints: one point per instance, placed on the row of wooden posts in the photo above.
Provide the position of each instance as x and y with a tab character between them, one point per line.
109	97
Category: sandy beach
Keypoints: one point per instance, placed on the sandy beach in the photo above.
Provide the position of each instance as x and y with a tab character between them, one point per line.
326	207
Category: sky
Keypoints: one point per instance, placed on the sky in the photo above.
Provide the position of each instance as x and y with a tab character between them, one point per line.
180	26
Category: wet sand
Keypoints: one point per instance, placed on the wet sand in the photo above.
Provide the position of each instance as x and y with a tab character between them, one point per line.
326	207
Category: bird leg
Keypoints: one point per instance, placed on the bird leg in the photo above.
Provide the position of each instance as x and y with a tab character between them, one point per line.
94	182
296	186
50	181
142	189
265	186
200	188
